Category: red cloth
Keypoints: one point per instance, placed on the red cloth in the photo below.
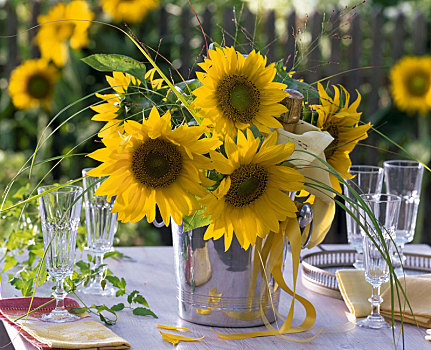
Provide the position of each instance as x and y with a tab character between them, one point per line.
16	307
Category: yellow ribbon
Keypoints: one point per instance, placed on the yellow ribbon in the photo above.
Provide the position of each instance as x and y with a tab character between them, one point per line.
274	249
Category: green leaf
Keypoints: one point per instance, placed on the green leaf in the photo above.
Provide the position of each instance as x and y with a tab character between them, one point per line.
118	307
283	77
142	311
103	284
78	310
140	300
83	266
119	63
195	220
131	296
106	320
115	254
120	293
38	252
114	280
122	283
27	289
9	262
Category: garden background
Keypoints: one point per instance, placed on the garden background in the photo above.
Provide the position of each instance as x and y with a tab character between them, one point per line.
354	43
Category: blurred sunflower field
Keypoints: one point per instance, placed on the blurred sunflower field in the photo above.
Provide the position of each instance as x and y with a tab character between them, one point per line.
48	96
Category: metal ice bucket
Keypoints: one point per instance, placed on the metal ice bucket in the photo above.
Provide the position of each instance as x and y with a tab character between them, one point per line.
219	288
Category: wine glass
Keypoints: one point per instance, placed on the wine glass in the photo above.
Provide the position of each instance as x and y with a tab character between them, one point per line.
404	178
380	225
101	226
60	210
367	179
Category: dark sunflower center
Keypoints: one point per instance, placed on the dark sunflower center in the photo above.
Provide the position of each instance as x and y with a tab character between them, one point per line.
418	84
248	183
238	98
156	163
39	86
333	131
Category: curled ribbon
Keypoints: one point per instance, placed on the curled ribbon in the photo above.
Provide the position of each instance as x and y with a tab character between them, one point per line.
273	249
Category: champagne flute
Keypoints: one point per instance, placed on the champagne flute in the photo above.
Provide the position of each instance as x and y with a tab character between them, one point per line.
404	178
60	210
367	179
101	226
381	227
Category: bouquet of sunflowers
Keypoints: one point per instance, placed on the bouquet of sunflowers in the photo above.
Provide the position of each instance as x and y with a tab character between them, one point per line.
213	150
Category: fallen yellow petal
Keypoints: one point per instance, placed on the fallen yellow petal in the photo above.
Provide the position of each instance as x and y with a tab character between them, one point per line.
175	339
173	328
166	337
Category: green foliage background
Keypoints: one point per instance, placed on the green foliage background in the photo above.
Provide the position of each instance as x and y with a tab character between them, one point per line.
20	130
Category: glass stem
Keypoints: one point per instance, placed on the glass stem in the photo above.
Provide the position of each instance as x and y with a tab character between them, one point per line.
59	295
98	260
375	300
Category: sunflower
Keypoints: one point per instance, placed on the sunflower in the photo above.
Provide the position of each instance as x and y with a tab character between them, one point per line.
411	84
132	11
342	124
151	164
238	92
52	37
156	83
109	111
251	199
121	81
32	84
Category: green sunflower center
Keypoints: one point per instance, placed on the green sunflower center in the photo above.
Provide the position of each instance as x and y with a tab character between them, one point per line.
248	183
156	163
238	98
333	130
418	84
39	86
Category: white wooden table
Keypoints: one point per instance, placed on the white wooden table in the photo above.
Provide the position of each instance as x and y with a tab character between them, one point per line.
151	271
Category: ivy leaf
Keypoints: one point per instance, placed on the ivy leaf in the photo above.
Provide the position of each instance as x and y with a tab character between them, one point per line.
27	289
131	296
9	262
120	293
78	310
119	63
140	300
115	281
84	267
106	320
142	311
118	307
115	254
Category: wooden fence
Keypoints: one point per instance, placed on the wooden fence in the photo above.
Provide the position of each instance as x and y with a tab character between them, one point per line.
363	46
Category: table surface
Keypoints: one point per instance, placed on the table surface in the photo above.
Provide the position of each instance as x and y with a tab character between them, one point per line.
151	271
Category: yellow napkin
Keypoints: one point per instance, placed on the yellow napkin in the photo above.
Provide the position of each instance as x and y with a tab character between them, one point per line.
356	291
311	139
84	333
418	290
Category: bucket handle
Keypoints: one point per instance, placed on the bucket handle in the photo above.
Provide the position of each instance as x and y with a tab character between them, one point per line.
158	224
305	218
